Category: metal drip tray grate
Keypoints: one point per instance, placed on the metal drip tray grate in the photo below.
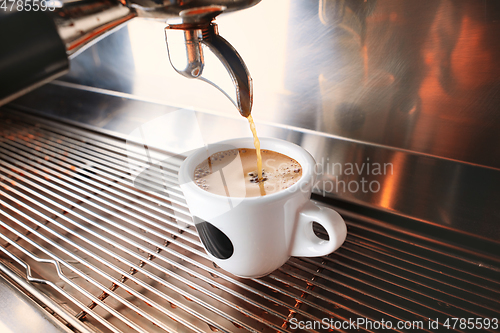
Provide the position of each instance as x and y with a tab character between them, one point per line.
114	258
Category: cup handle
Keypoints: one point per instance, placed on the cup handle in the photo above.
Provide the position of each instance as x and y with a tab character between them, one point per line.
306	243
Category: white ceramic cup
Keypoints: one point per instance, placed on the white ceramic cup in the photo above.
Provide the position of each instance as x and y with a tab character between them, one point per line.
251	237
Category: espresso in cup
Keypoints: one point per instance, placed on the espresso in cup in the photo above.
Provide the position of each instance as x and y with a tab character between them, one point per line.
234	173
252	236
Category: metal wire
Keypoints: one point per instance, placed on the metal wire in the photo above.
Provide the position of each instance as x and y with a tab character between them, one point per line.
134	258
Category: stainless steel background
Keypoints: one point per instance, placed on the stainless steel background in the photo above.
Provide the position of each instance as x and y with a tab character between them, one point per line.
415	84
416	75
20	314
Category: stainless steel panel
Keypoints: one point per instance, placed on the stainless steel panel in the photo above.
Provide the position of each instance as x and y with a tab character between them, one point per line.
119	259
19	314
416	75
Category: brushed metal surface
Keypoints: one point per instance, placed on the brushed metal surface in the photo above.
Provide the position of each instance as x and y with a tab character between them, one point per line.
19	314
417	75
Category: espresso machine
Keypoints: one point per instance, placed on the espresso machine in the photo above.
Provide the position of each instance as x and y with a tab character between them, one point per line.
397	101
45	46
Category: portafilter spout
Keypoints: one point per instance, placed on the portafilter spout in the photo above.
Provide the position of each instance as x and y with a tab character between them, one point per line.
186	37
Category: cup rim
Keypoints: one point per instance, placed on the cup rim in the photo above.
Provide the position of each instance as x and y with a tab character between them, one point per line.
186	180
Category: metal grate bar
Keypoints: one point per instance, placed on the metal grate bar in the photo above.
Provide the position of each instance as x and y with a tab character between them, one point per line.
57	261
388	290
61	174
101	149
9	172
74	154
106	148
335	305
82	158
452	287
132	243
104	250
93	204
50	283
325	277
304	313
374	245
426	243
70	320
68	202
90	222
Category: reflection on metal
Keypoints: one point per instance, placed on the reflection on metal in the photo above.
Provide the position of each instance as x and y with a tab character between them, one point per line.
389	190
78	31
81	22
190	25
18	313
401	74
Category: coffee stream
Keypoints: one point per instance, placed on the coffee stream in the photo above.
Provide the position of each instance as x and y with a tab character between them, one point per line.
256	143
281	171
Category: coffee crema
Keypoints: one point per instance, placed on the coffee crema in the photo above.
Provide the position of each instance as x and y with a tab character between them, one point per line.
233	173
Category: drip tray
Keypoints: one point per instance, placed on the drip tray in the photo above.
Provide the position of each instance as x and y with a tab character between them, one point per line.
109	257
